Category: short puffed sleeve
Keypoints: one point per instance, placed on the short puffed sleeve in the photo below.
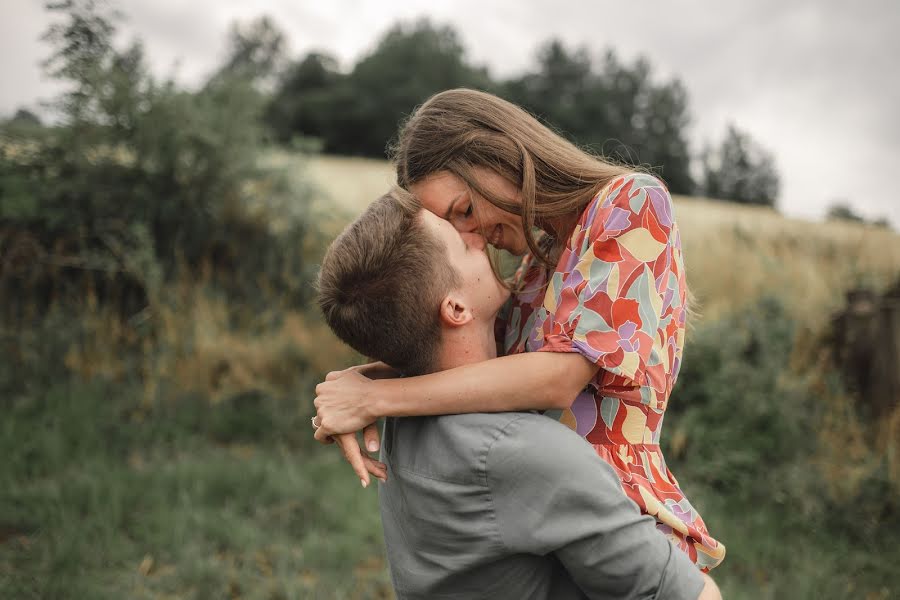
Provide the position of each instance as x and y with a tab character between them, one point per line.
612	296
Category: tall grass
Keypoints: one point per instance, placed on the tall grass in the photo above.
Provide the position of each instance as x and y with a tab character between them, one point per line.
101	498
734	254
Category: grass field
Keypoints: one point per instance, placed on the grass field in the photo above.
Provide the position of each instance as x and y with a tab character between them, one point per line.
199	479
102	498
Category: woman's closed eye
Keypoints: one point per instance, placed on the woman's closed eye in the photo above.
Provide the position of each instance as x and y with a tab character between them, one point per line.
462	219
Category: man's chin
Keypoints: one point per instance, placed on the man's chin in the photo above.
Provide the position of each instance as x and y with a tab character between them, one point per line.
503	295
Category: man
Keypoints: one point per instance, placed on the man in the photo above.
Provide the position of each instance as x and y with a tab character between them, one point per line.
506	505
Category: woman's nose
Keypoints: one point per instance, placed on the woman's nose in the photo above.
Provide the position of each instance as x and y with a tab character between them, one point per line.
464	224
474	240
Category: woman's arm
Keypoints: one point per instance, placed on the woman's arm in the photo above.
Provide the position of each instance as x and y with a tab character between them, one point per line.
346	401
375	370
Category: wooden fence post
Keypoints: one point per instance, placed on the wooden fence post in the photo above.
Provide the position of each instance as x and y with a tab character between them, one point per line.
866	343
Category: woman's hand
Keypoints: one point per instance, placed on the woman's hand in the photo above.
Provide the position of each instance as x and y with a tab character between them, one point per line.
343	403
362	464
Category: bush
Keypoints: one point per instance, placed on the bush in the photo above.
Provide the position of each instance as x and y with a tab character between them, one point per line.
142	182
747	422
744	416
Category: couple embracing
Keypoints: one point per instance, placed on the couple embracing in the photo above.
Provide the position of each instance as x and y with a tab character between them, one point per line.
520	454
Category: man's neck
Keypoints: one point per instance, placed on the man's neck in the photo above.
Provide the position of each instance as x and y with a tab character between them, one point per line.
466	345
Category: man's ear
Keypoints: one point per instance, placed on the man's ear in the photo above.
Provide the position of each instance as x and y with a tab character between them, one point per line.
454	313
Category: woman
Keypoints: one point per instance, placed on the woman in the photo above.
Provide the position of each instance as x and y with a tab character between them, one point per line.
598	311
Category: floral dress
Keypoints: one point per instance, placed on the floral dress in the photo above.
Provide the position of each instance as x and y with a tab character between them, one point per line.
617	297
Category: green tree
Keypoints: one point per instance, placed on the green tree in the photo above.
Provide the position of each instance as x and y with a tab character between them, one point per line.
409	64
135	150
25	117
740	170
841	211
23	124
662	142
256	51
358	113
559	91
303	101
139	178
615	109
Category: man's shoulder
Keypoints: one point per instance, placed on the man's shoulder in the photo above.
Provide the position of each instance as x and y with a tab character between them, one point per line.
463	447
448	447
542	445
501	427
481	426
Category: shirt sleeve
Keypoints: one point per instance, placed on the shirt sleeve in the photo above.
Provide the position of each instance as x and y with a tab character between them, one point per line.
605	304
553	494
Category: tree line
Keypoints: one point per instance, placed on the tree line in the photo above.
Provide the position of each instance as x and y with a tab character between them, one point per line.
607	105
610	106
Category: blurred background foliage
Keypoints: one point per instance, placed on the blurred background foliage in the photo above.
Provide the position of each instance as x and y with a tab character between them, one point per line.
157	251
614	108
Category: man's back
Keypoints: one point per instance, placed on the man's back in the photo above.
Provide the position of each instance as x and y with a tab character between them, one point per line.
514	505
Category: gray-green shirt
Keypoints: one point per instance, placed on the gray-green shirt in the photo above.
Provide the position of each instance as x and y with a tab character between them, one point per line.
516	505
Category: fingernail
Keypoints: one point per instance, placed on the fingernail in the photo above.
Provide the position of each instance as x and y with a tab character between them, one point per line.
372	446
363	482
382	479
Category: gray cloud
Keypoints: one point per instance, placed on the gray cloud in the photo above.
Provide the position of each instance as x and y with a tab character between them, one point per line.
812	80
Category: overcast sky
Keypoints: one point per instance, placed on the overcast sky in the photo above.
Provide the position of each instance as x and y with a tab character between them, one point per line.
815	81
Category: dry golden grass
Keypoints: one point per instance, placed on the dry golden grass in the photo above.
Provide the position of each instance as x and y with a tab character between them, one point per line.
198	349
208	355
734	253
349	184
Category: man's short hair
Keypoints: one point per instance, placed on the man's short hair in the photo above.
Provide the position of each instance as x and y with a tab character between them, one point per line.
381	284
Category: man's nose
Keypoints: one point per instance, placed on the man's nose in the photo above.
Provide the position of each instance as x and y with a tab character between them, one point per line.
474	240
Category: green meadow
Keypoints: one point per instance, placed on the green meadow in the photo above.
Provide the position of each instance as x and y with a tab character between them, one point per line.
182	465
160	341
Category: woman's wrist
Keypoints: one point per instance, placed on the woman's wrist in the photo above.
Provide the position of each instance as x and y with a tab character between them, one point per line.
376	406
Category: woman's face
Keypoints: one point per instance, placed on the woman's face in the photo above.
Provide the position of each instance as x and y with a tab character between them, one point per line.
448	196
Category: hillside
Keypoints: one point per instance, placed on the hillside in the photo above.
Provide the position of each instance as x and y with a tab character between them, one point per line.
734	253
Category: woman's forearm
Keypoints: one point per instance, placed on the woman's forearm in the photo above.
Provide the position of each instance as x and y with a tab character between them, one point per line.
377	370
536	380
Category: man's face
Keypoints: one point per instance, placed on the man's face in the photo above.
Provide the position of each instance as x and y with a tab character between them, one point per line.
465	252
